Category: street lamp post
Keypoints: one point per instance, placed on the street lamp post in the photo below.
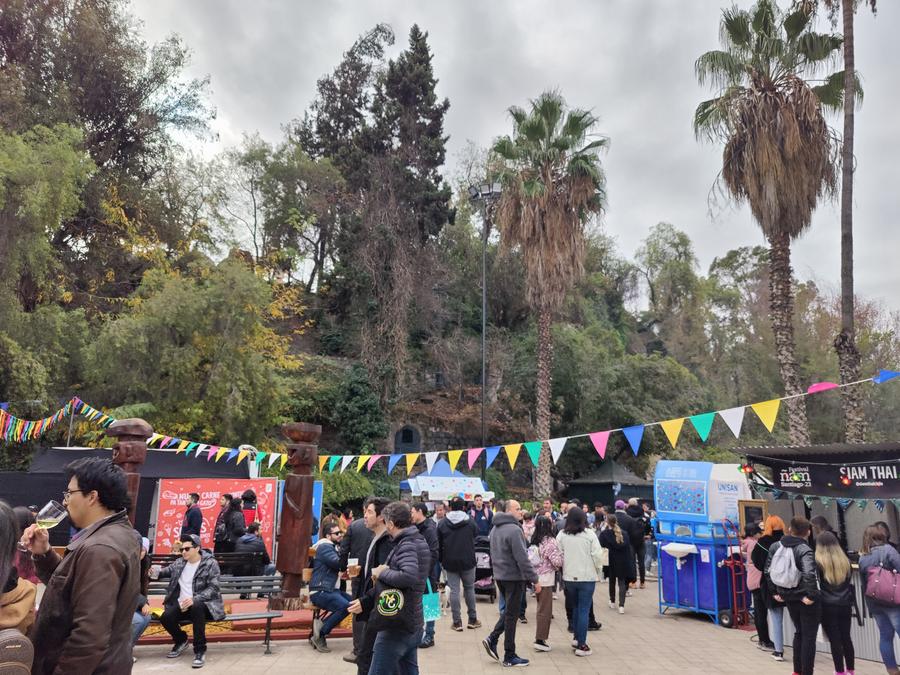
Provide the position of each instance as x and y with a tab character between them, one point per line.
485	195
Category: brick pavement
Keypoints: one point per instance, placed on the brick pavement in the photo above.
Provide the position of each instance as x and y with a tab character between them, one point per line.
640	642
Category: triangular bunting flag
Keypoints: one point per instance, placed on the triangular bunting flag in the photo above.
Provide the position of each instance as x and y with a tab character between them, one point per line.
190	446
862	503
767	411
199	450
220	453
213	449
411	458
472	455
372	461
392	462
808	499
884	376
273	457
231	455
556	447
820	386
703	424
734	419
322	460
672	429
165	441
284	459
600	439
490	454
879	504
512	453
333	462
154	438
896	503
173	441
825	500
242	455
533	448
634	435
430	459
260	455
453	456
345	462
777	494
361	462
845	502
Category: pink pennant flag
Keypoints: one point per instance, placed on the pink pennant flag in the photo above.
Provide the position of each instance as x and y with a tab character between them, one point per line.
820	386
600	439
473	454
372	461
213	449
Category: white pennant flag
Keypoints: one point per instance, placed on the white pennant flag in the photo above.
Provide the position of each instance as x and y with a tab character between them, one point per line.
345	461
556	447
430	459
200	450
734	418
272	457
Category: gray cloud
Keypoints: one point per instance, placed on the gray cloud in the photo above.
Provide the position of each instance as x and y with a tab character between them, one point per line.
631	61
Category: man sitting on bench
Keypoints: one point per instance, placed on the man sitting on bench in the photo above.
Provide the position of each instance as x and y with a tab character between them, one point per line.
323	590
193	595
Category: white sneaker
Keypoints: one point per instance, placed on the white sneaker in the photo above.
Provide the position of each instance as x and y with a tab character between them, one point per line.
575	644
621	610
583	650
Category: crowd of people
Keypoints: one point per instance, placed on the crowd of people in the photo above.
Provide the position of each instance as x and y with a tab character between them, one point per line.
803	568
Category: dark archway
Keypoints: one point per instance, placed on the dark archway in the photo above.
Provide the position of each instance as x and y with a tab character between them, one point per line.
407	439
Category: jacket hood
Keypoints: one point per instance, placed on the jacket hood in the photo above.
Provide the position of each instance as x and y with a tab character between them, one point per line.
505	519
457	518
406	532
247	538
790	541
322	542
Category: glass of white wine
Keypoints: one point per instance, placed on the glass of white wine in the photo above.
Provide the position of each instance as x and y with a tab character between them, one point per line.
51	515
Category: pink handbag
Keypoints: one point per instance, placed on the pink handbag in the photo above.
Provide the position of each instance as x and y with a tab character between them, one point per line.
883	585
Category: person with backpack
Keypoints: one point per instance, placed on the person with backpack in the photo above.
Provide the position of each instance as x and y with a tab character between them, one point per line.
837	600
877	552
773	531
793	579
754	585
547	559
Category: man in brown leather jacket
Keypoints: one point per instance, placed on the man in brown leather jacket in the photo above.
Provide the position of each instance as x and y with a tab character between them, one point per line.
84	621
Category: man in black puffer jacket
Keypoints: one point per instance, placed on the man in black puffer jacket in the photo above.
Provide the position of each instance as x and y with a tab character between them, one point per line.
801	598
395	602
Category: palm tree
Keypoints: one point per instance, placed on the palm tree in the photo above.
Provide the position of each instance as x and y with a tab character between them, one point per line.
779	156
553	185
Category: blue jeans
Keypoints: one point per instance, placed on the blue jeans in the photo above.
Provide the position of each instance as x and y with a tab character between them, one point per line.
888	620
429	631
139	624
335	602
582	597
776	631
395	652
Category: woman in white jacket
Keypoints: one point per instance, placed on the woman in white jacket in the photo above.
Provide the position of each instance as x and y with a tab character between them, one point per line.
582	560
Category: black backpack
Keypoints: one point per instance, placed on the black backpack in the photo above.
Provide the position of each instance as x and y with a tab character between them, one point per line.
16	653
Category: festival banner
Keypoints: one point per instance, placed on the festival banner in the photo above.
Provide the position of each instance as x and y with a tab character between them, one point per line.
173	493
874	480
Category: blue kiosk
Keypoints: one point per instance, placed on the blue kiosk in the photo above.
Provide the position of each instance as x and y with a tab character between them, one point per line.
697	511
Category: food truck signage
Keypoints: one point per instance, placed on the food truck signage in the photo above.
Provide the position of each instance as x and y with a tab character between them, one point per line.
879	480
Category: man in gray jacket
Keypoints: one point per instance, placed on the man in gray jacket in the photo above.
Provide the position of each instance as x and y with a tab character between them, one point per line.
512	571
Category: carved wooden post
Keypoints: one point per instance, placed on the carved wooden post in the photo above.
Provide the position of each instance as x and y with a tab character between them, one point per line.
129	452
295	528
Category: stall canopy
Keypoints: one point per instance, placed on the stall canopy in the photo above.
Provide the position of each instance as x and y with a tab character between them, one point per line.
610	482
444	483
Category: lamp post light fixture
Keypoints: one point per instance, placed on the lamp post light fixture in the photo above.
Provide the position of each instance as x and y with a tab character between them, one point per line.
485	196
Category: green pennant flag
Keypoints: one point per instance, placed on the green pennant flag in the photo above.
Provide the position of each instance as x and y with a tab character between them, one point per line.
862	503
808	500
333	462
703	424
533	448
825	500
259	456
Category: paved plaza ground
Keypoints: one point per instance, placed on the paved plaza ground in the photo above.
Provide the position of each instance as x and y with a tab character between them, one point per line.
637	643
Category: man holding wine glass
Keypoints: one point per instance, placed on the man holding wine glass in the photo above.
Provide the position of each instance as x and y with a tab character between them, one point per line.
84	622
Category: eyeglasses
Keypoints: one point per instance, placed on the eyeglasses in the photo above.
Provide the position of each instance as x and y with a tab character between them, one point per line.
68	493
186	548
336	533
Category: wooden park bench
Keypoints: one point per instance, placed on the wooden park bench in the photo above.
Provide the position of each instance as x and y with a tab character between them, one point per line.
227	561
265	586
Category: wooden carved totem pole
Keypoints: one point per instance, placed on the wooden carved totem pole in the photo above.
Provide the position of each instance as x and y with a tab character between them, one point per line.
295	528
129	452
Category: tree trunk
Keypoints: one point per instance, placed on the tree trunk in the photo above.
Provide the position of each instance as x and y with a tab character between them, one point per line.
781	306
542	481
845	342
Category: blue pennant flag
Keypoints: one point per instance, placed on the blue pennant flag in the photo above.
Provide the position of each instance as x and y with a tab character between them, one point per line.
490	454
634	435
845	502
231	455
879	504
884	376
776	494
393	460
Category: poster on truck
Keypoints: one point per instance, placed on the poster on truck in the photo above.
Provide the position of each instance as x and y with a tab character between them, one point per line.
173	494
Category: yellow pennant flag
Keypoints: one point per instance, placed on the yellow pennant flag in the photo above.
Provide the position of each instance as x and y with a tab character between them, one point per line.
242	455
767	411
512	453
672	429
453	456
284	459
183	445
411	460
220	452
154	438
323	460
361	462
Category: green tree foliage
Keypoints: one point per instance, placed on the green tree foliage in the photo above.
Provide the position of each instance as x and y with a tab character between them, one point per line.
358	414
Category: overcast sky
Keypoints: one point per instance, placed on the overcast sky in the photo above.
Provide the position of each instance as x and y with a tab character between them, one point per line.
630	61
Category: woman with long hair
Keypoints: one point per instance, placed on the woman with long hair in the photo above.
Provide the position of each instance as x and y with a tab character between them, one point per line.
878	552
581	569
752	533
621	560
16	594
24	563
837	599
773	530
551	560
